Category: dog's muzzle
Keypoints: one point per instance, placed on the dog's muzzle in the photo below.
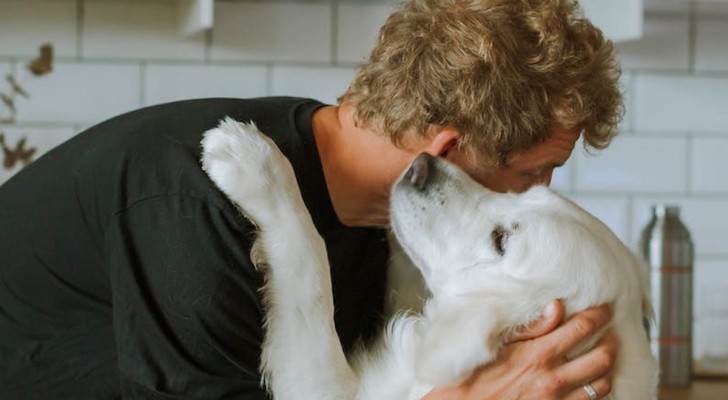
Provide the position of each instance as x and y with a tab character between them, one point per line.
420	170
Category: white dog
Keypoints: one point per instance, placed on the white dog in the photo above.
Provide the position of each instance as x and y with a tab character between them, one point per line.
491	262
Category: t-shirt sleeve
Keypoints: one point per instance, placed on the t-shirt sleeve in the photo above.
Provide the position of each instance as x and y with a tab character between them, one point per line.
186	308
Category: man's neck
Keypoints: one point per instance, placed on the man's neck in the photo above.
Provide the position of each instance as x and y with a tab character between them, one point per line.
360	166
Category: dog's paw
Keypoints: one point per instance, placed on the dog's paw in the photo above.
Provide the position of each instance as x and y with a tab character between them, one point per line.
248	167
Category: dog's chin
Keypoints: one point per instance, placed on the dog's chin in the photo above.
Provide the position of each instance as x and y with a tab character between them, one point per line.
405	233
403	238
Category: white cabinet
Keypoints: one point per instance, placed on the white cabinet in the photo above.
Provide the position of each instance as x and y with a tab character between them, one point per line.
195	16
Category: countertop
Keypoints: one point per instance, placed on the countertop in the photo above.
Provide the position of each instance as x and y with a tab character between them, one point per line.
699	390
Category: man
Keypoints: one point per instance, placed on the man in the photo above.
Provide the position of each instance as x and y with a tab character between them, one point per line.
126	273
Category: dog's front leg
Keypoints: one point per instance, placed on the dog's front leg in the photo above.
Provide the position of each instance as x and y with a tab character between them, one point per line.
302	357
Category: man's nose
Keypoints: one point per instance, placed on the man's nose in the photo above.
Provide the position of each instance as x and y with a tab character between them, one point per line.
419	171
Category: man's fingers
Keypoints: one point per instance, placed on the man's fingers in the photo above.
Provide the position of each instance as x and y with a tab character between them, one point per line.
603	386
592	365
576	329
551	317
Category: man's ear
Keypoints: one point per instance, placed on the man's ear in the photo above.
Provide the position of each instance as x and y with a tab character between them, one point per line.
443	140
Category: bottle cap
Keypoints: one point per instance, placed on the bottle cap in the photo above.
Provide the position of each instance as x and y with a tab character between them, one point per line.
666	210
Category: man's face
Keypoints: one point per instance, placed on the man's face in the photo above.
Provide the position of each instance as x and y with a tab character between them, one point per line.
528	168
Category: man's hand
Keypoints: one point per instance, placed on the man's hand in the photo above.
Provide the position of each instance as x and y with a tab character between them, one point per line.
534	365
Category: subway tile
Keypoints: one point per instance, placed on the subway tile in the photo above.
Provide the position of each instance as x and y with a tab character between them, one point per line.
25	25
6	89
127	29
711	48
166	83
272	32
80	93
705	218
709	155
664	45
666	7
633	163
714	8
561	178
710	288
613	211
358	30
694	104
323	84
710	347
626	83
38	140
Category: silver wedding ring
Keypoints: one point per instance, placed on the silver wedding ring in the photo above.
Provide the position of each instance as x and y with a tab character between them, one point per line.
591	392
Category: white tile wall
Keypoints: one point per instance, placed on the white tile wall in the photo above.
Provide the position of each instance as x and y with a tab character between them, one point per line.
711	310
711	49
133	29
665	44
272	32
5	69
711	289
650	164
80	93
626	126
324	84
562	177
614	211
709	165
681	103
358	29
169	82
40	139
117	55
25	26
709	340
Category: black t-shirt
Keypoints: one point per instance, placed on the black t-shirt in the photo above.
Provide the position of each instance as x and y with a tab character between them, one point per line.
124	273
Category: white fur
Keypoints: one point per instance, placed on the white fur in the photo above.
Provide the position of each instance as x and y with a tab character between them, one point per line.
252	171
553	249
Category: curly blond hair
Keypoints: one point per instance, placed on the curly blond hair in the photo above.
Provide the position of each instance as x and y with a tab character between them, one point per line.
501	72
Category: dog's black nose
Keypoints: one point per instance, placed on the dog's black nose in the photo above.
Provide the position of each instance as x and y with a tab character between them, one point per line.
419	170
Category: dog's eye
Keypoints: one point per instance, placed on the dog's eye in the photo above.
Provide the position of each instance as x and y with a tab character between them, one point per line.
499	236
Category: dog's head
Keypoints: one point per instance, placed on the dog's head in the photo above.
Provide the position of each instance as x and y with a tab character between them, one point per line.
475	247
452	227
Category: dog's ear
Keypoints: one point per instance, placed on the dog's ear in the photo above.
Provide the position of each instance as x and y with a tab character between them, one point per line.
455	342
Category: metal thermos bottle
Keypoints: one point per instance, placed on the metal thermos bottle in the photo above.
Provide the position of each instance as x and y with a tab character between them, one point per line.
668	249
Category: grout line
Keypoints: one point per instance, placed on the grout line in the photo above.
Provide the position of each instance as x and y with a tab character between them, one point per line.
142	83
334	33
207	46
630	225
269	79
572	173
679	73
632	95
689	184
692	36
195	62
80	17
